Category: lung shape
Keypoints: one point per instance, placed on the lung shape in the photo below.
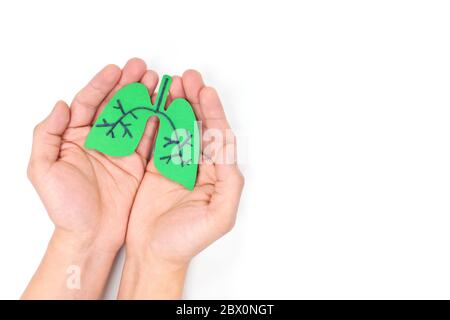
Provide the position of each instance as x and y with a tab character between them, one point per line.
120	127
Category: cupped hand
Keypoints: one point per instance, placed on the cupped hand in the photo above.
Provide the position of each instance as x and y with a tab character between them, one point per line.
170	224
88	195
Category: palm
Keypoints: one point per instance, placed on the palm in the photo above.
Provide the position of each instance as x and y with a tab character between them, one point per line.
176	223
84	190
94	189
174	218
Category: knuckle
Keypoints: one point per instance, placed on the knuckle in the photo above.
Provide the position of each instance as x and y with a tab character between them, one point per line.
80	101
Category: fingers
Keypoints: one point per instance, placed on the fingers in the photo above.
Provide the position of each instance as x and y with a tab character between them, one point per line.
86	102
204	100
150	80
228	188
193	84
212	110
216	130
176	89
220	149
133	71
47	140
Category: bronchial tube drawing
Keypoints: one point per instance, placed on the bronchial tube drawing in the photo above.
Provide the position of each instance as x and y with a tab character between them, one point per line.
121	125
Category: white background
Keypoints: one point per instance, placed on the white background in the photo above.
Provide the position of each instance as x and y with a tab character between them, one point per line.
342	112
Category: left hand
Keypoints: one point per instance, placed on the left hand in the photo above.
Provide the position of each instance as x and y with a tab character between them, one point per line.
170	224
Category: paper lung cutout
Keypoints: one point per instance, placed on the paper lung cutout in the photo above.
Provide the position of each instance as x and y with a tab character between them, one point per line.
120	127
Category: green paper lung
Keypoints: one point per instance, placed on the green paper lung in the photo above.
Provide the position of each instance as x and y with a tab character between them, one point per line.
176	151
120	127
121	124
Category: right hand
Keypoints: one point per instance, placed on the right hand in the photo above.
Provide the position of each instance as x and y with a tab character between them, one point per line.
88	195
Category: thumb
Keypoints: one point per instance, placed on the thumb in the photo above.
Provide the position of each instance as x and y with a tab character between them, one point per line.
47	140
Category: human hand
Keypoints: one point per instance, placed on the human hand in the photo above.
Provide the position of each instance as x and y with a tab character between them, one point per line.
88	195
169	224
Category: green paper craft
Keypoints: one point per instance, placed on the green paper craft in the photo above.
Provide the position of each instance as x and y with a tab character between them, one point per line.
120	127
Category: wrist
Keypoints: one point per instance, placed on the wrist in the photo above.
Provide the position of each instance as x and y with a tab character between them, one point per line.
147	276
72	268
81	243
